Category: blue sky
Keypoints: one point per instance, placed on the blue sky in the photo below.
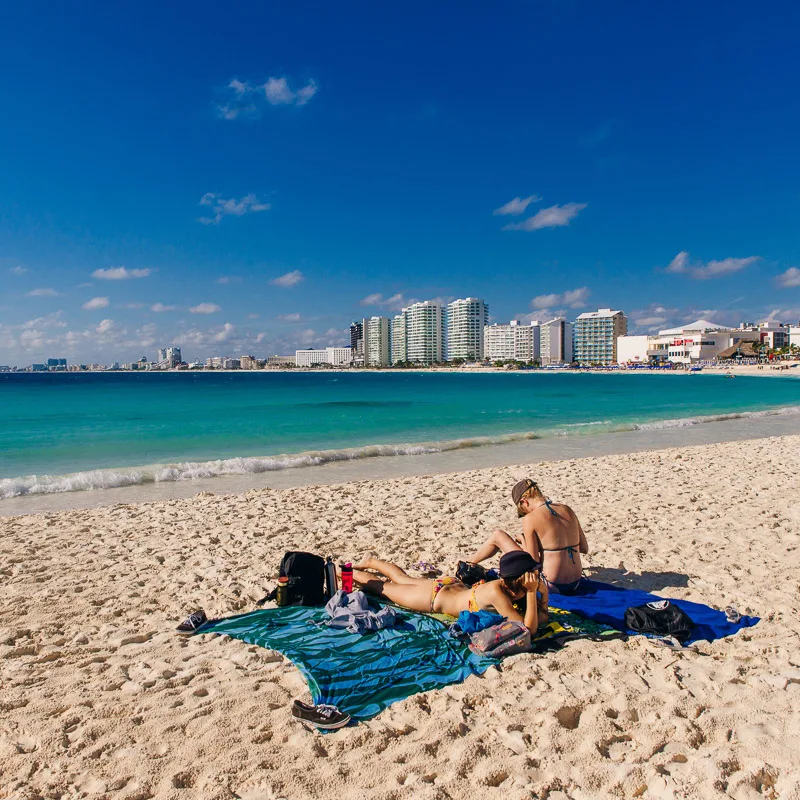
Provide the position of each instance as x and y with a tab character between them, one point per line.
250	178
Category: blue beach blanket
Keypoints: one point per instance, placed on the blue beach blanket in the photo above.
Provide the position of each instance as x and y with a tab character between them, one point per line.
605	603
359	673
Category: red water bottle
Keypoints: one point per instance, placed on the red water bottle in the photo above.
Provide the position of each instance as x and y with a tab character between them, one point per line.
347	577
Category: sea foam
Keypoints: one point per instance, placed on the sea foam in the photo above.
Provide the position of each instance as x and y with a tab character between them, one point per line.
189	470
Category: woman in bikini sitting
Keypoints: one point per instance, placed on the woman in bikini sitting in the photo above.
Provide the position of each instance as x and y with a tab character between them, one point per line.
519	577
551	533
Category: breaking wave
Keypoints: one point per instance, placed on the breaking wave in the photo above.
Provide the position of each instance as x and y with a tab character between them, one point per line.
189	470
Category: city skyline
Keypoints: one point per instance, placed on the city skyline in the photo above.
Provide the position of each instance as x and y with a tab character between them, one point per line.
430	333
312	172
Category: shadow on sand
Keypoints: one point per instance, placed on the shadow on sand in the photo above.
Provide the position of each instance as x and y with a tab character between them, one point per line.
646	581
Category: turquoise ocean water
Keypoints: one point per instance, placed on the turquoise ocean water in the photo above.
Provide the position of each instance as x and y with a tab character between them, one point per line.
67	432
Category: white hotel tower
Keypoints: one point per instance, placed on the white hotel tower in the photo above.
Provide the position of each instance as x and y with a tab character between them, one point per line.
376	342
418	334
466	320
512	342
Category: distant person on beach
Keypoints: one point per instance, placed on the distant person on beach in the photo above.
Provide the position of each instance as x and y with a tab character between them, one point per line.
551	533
519	578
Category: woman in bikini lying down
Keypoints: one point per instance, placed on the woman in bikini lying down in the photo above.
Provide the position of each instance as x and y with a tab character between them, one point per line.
519	577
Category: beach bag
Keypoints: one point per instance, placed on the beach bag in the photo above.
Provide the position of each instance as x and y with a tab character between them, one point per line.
660	618
306	574
506	639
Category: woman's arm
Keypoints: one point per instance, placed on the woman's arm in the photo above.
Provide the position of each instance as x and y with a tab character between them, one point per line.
530	539
584	545
505	608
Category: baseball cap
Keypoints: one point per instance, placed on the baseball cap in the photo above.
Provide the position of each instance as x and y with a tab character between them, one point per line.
520	487
517	563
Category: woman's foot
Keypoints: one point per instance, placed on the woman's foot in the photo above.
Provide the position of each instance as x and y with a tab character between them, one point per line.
366	560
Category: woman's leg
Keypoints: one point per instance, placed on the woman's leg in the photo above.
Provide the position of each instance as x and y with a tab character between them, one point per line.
498	542
416	596
394	573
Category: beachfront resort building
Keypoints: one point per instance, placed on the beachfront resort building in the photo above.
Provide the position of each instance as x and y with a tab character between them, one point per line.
595	334
399	347
687	344
357	342
418	334
465	323
555	342
331	356
512	342
169	357
376	335
774	335
638	350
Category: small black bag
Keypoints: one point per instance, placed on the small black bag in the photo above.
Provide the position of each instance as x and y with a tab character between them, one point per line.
660	618
306	574
470	574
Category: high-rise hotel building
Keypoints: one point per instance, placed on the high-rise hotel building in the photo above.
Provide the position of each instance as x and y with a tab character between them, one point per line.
466	321
377	352
555	343
398	344
595	336
418	334
512	342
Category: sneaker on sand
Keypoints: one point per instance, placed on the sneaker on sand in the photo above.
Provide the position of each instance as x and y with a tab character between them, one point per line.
326	717
732	615
194	621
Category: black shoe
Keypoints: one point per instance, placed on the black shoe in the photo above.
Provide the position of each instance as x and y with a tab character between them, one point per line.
326	717
193	622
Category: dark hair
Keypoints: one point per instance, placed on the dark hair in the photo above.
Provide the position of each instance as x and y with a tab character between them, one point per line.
512	586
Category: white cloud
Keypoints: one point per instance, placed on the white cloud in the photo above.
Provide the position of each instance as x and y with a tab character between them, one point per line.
260	338
278	92
105	325
205	308
95	303
120	274
246	99
252	316
573	298
225	332
160	308
289	279
18	270
554	217
650	322
43	293
229	279
289	317
305	93
790	278
220	207
393	303
50	321
517	205
682	264
679	264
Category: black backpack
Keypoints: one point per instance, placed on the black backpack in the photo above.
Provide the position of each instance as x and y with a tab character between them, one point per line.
660	618
306	574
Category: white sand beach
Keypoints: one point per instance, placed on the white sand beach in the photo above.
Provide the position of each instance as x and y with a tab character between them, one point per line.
100	698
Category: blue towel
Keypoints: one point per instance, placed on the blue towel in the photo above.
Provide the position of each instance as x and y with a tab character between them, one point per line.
602	602
474	621
361	674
